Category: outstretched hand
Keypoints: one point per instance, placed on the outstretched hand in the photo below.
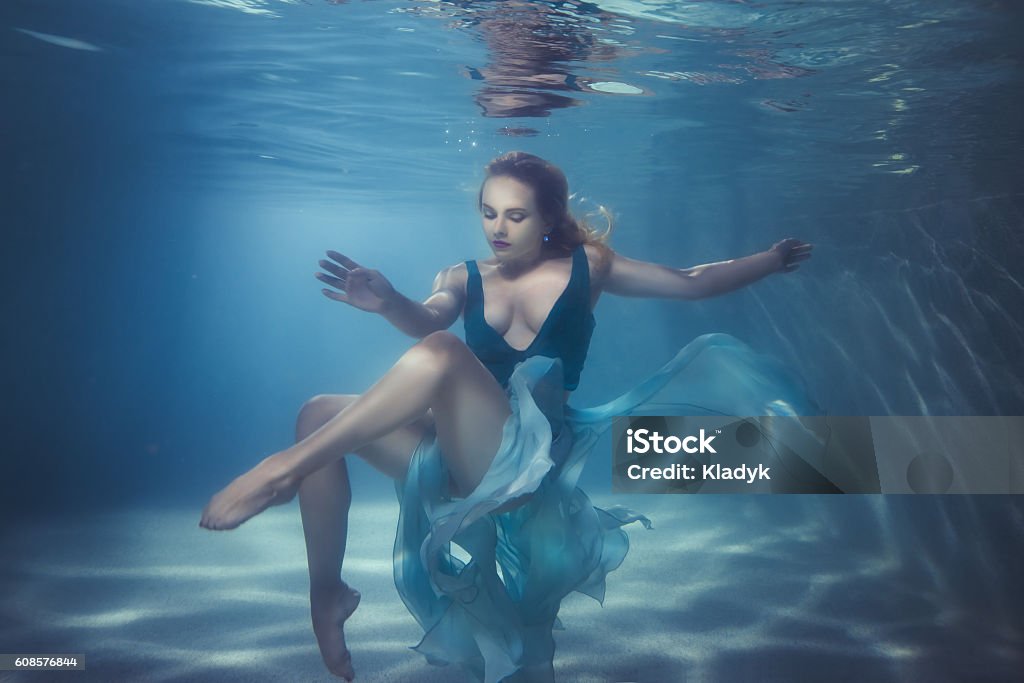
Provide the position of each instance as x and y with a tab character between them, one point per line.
789	253
364	288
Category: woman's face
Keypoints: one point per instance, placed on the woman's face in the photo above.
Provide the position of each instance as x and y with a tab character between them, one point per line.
512	223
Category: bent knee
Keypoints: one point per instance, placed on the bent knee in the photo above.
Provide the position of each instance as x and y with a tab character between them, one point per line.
443	344
315	412
442	339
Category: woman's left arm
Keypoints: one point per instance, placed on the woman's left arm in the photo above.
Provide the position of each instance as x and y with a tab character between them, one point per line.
628	277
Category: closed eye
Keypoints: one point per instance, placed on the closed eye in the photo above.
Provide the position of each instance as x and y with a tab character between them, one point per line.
518	216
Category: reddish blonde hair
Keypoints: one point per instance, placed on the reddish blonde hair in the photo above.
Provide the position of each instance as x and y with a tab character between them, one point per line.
551	192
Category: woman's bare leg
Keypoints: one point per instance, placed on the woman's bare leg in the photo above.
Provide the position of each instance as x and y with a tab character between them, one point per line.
439	374
324	499
438	380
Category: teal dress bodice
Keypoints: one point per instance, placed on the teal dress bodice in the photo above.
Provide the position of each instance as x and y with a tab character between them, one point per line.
565	334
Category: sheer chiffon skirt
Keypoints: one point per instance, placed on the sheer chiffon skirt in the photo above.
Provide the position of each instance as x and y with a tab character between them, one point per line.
493	612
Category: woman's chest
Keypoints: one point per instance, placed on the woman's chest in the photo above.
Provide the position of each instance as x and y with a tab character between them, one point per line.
517	310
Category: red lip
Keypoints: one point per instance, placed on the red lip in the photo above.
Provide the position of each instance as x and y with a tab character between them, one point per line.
498	244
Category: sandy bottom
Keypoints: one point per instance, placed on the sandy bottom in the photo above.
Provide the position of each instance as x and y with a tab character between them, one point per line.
149	596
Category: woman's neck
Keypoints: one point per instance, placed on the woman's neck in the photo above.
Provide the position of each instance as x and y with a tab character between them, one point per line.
514	268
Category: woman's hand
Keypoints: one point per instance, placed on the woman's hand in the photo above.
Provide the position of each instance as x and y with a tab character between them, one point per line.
788	253
363	288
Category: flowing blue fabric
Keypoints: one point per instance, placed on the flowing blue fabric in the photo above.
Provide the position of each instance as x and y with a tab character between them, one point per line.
494	614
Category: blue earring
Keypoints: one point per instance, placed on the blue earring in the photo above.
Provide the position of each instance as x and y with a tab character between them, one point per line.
547	237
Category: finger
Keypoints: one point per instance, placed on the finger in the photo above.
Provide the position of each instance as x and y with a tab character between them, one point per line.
788	254
343	260
332	267
336	282
797	257
337	296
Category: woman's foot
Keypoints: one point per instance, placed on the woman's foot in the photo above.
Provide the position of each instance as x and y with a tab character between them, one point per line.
330	607
267	484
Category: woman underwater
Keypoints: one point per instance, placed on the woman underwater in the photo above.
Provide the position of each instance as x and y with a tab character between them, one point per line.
477	434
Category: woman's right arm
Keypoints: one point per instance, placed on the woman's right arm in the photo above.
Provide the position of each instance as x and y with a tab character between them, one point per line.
369	290
438	312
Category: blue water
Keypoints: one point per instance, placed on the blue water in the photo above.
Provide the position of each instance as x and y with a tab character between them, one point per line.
173	170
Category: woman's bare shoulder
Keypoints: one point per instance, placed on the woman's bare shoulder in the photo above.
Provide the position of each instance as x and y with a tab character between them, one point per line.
453	277
456	270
